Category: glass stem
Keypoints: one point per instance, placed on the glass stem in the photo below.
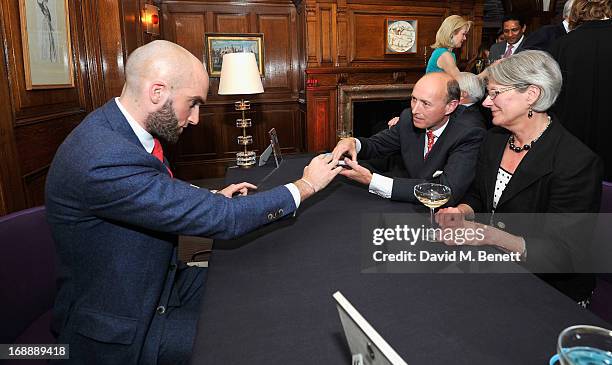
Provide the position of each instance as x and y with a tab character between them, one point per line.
431	217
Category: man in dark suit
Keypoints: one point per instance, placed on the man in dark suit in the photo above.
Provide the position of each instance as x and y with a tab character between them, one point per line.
433	144
514	33
469	109
116	212
544	37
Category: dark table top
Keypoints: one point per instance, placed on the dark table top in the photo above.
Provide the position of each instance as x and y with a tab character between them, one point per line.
269	299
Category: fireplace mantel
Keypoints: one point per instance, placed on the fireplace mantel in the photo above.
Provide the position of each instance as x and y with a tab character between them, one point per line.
347	94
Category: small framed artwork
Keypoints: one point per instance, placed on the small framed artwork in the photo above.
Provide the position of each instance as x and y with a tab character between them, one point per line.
400	36
45	37
218	44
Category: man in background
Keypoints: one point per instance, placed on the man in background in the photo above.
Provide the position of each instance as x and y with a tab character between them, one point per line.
470	109
544	37
514	34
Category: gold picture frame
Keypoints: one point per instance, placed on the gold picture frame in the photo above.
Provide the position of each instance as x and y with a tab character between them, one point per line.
401	36
217	44
45	36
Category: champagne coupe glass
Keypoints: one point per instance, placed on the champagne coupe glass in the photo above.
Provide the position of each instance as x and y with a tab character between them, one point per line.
432	196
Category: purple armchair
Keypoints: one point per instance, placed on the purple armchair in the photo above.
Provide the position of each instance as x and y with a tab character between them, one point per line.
27	278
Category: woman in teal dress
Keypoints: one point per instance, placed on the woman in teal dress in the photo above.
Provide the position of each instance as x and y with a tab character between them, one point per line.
451	35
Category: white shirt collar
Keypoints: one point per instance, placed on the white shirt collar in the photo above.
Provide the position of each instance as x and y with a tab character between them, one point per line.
438	132
566	26
467	105
516	45
145	138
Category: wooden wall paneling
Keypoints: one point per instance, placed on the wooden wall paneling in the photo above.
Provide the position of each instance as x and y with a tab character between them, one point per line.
279	40
113	55
342	30
312	35
301	52
326	27
189	30
321	119
231	23
367	33
12	196
285	119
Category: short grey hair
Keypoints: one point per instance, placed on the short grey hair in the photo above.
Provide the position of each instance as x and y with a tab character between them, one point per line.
472	85
526	68
567	8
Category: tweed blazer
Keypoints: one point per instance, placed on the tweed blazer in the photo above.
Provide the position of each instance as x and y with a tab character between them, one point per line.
115	214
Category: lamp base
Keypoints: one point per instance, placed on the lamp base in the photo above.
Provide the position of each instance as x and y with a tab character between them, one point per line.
246	159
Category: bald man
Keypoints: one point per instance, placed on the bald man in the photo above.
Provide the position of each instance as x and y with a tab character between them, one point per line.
433	143
116	211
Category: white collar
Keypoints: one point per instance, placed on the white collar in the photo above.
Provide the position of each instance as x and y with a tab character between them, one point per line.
438	132
145	138
516	45
468	104
566	26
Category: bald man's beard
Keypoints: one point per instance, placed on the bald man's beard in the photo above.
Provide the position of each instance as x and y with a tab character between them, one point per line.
164	124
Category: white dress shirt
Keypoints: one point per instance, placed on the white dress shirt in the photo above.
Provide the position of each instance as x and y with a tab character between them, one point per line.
383	185
146	139
514	46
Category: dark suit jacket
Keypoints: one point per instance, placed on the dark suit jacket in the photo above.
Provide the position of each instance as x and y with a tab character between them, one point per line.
498	49
584	56
454	153
544	37
471	114
558	175
115	214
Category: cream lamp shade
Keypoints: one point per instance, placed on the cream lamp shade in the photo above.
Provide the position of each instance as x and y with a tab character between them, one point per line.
239	75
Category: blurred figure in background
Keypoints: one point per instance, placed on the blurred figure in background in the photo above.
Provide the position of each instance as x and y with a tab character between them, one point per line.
500	36
480	61
451	34
584	56
544	37
472	91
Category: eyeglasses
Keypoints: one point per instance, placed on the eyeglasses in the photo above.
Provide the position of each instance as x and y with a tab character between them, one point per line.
494	93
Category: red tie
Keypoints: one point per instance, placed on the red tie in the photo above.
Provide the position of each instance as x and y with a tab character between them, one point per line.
430	141
158	152
508	51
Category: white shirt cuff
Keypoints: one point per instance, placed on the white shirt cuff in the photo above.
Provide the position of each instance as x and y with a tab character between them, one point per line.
295	193
357	145
381	186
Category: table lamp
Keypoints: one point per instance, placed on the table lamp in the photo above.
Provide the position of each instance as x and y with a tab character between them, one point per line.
239	76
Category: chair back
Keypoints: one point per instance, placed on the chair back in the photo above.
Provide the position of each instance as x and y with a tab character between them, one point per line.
27	277
606	197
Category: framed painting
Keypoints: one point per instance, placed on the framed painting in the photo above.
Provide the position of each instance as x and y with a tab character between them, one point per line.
400	36
45	37
218	44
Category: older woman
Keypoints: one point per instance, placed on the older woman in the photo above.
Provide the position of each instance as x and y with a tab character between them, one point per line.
451	34
529	163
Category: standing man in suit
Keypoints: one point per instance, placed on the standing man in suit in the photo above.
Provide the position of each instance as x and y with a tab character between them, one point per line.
544	37
116	211
430	139
514	33
469	108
